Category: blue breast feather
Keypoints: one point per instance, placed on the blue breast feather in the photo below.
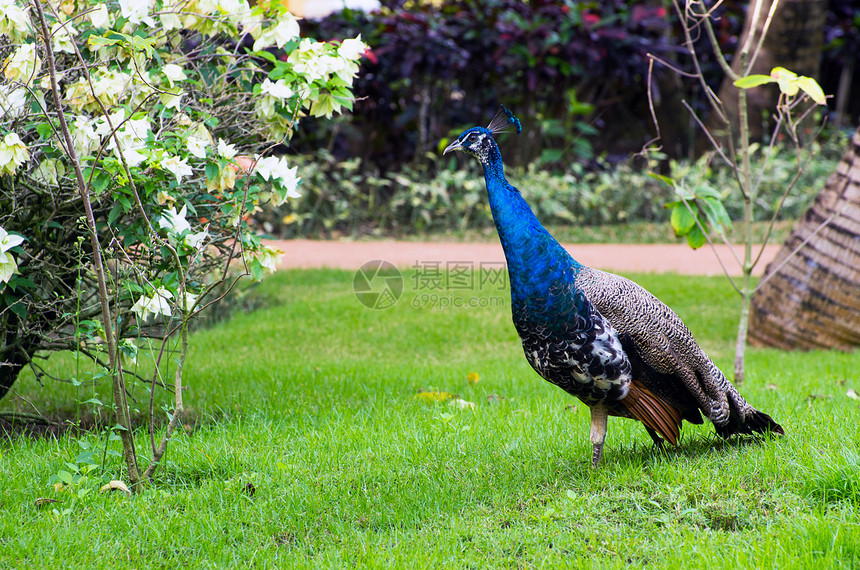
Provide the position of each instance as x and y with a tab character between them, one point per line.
565	339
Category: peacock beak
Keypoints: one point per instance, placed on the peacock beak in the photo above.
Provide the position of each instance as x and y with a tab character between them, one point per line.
453	146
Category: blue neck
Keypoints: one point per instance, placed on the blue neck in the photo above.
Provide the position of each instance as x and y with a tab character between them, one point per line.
537	263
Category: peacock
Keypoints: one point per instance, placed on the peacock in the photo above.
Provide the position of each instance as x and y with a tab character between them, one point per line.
599	336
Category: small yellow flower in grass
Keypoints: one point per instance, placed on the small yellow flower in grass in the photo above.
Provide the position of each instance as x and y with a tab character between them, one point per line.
432	397
473	378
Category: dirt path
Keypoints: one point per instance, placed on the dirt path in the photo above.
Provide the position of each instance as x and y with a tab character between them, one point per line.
618	258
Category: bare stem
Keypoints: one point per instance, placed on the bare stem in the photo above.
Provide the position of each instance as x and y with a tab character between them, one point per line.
123	416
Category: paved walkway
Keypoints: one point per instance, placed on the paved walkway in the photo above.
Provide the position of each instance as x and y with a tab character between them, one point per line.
661	258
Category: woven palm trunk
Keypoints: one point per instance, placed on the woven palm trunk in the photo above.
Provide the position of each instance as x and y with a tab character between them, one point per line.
812	299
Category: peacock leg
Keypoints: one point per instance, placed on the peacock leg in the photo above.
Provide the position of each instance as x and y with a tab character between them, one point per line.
598	431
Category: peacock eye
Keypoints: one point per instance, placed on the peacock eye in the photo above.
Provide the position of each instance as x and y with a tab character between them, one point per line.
473	137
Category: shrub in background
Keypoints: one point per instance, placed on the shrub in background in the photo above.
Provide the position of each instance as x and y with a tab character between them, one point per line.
135	140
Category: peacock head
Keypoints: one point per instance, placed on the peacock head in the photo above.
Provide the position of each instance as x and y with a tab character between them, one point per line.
478	141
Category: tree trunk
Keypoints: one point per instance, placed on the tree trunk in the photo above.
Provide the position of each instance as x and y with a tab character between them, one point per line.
794	40
810	299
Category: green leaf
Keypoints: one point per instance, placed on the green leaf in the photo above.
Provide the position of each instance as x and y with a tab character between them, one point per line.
65	477
664	179
101	180
97	42
787	80
813	89
267	56
212	170
45	130
751	81
256	270
716	212
115	213
682	220
705	191
696	238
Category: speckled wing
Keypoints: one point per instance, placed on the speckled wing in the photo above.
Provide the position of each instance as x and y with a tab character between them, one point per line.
574	347
663	352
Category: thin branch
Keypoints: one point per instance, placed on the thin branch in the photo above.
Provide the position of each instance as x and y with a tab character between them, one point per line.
714	143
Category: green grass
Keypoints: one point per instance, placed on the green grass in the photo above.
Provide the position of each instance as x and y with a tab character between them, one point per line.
310	403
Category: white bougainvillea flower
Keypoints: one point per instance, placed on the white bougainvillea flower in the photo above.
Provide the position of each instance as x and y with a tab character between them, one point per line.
13	102
171	100
287	29
190	300
273	167
286	186
169	14
137	11
178	166
195	241
267	257
225	150
157	303
8	241
127	347
198	139
62	33
14	20
279	89
8	267
49	171
196	146
174	72
100	17
132	138
13	153
352	49
23	65
84	135
104	125
111	85
174	222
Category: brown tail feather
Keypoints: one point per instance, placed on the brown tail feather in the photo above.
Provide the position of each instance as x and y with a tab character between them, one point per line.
655	413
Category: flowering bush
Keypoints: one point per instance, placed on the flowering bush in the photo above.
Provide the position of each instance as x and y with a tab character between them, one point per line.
136	138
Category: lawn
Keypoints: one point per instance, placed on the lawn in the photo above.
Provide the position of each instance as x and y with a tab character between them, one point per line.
308	448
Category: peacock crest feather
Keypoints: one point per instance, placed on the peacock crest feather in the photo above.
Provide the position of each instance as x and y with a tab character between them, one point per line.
504	122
